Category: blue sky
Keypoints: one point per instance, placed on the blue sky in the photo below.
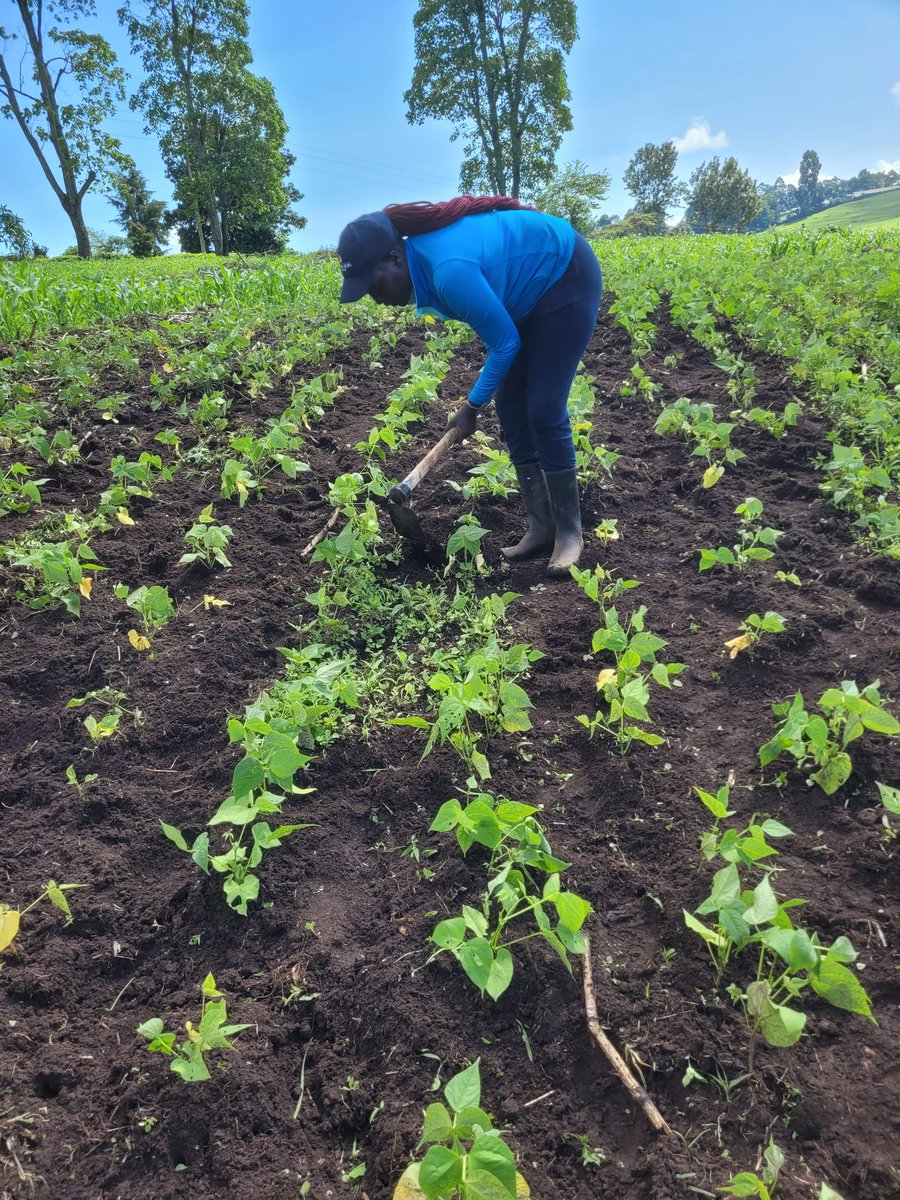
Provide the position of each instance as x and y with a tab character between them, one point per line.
762	81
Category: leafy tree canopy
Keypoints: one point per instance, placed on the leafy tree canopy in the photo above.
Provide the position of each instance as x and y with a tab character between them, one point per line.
574	193
14	237
145	221
650	179
722	197
496	70
60	84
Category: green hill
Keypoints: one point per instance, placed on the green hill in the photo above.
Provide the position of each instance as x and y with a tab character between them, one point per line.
867	212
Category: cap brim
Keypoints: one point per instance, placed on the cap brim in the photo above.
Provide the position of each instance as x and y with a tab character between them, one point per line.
355	286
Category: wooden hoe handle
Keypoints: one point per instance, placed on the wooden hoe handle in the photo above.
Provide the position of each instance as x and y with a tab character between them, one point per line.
401	492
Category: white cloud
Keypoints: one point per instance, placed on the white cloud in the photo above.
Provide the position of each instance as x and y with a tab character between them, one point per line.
793	177
895	92
884	165
699	137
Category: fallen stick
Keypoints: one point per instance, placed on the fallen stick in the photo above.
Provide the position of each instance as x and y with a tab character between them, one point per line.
639	1094
311	545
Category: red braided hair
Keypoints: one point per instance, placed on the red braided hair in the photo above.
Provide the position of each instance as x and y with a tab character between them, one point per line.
422	217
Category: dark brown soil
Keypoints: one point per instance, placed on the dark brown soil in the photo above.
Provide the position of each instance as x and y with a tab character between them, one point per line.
86	1113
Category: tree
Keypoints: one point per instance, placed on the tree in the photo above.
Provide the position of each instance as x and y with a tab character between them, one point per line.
722	197
145	221
650	179
221	129
187	47
575	194
495	69
70	122
633	224
807	185
14	237
246	131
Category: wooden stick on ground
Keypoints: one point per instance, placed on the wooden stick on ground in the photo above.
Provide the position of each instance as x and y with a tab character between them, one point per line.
313	542
654	1116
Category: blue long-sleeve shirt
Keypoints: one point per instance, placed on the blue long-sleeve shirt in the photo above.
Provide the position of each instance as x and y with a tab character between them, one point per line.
489	270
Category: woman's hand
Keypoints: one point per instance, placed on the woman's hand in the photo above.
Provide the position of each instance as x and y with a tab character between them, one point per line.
465	419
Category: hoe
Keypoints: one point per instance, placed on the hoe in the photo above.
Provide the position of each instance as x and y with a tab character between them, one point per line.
397	503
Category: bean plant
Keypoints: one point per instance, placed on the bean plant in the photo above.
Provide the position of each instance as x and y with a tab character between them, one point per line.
752	630
10	918
467	1158
789	959
211	1035
153	605
625	687
55	573
697	423
818	741
206	541
755	542
523	889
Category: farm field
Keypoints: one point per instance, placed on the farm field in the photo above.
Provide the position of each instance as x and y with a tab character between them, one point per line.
869	212
233	796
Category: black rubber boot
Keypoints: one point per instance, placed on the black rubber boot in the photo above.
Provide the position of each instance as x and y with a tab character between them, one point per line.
541	529
566	509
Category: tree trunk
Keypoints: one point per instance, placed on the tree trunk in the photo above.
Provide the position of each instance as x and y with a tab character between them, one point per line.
215	227
198	221
82	241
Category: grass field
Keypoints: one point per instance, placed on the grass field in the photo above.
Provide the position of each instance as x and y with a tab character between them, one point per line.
870	212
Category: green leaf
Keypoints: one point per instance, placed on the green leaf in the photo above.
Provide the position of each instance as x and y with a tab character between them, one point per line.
494	1157
890	797
764	906
716	806
840	987
447	816
482	1185
248	775
450	934
233	811
501	973
440	1172
708	935
834	774
475	920
879	720
437	1125
174	835
470	1116
151	1029
726	888
192	1069
476	958
573	910
464	1089
745	1183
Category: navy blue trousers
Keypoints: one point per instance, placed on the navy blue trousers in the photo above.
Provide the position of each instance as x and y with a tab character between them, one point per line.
531	398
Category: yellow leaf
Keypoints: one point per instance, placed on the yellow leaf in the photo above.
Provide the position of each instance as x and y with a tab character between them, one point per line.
607	675
123	518
9	927
139	642
167	367
212	602
711	476
85	586
736	645
241	487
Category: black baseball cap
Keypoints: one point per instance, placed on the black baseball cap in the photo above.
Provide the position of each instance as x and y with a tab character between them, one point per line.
363	243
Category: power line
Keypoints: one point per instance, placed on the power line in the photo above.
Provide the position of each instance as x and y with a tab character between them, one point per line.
349	159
